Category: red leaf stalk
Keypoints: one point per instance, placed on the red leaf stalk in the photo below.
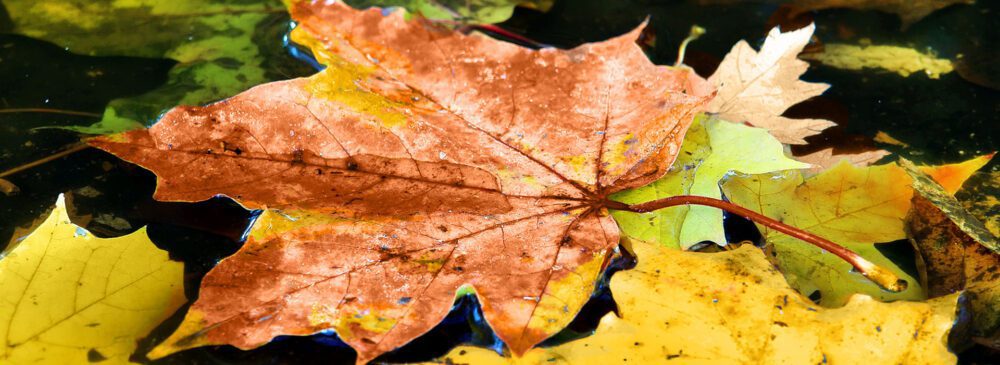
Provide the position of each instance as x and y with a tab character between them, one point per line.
884	278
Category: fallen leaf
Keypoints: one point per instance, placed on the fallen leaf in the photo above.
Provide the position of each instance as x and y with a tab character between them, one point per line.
982	199
72	298
956	251
419	161
712	149
951	177
825	159
214	41
733	308
909	11
883	137
465	11
852	206
901	60
757	87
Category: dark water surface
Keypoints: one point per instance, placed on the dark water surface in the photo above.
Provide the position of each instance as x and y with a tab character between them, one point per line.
945	120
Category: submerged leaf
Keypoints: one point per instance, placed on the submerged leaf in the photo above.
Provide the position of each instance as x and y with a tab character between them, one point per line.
213	42
734	308
757	87
419	161
909	11
901	60
70	297
466	11
712	149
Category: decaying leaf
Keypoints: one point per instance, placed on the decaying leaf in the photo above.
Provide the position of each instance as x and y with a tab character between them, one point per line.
926	185
72	298
855	207
466	11
419	161
909	11
212	40
901	60
825	159
982	199
712	149
956	251
734	308
757	87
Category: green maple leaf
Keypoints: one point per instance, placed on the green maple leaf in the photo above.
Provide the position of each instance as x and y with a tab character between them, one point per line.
466	11
712	149
222	46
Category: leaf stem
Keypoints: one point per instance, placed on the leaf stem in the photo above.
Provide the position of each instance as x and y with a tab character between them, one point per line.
881	276
48	110
508	34
693	35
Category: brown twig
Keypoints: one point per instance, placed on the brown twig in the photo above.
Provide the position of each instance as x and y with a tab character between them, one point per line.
884	278
71	150
51	111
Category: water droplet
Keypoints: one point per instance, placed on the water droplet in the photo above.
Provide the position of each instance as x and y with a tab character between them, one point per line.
442	155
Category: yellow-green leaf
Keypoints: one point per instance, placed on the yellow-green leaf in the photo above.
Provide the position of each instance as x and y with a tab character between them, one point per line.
734	308
68	296
222	46
465	11
712	149
900	60
852	206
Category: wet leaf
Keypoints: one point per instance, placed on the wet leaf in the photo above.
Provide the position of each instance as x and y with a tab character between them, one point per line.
734	308
900	60
952	177
465	11
70	297
419	161
956	251
212	41
982	199
855	207
712	149
757	87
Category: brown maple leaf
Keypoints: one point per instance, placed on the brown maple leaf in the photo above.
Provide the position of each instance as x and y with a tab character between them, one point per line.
420	161
757	87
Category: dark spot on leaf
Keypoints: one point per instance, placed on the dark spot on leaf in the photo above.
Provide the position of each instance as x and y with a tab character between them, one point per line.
94	356
780	323
405	300
815	296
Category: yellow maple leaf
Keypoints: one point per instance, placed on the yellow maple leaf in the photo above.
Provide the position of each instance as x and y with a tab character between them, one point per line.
734	308
70	297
